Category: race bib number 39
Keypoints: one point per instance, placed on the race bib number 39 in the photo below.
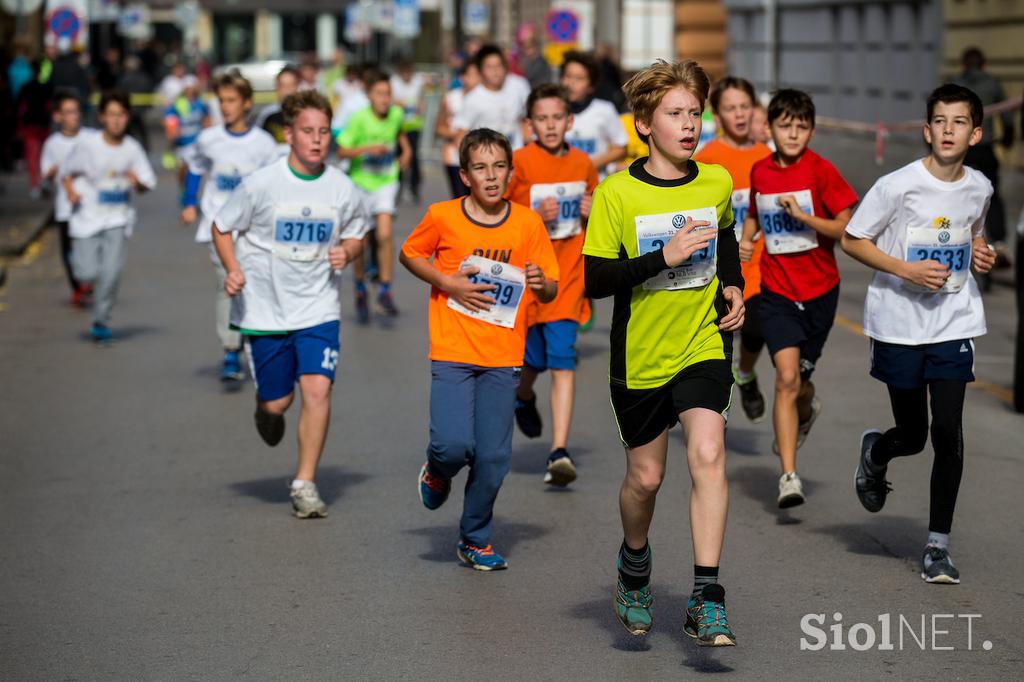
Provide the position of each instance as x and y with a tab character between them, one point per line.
569	222
508	281
782	232
303	232
653	232
949	246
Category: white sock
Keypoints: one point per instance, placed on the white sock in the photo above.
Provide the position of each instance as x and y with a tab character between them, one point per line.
744	377
296	484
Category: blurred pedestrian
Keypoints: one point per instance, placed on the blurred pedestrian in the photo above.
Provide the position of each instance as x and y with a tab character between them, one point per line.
407	91
135	81
33	111
528	60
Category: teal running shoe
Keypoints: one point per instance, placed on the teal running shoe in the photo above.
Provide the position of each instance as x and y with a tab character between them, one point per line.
705	618
481	558
633	608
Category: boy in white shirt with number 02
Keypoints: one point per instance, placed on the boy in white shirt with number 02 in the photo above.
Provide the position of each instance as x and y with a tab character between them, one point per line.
921	228
100	177
298	223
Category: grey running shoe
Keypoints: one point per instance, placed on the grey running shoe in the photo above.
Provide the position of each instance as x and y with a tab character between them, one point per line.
269	426
803	428
937	567
561	470
306	502
791	491
869	480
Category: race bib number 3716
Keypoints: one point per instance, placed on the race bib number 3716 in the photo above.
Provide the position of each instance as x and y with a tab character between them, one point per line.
303	232
653	232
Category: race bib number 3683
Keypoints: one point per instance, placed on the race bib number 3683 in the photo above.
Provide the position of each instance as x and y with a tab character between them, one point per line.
303	232
782	232
653	232
509	283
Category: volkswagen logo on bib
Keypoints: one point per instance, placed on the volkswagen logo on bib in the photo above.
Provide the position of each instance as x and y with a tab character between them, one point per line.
496	269
306	211
560	191
943	237
678	221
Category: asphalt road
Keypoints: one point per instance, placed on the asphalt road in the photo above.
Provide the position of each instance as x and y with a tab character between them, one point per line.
146	533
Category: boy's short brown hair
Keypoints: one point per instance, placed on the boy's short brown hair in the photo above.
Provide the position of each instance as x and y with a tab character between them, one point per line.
790	103
236	81
646	88
547	91
293	105
482	137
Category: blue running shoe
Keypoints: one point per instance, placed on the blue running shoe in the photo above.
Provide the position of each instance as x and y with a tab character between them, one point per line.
633	608
232	367
481	558
705	618
433	489
100	333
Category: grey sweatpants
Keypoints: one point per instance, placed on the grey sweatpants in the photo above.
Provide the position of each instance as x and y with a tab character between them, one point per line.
230	339
98	260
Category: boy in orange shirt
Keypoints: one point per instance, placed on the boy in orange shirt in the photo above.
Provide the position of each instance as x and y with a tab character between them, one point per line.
557	181
490	257
734	103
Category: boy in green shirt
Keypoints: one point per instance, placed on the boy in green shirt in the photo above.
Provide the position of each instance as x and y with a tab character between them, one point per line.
369	140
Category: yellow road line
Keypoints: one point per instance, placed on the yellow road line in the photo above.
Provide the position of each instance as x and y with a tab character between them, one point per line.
999	392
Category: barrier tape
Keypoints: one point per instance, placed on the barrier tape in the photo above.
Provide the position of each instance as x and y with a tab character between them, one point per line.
882	130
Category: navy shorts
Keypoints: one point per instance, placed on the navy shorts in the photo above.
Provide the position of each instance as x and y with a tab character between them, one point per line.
916	366
552	345
278	360
801	324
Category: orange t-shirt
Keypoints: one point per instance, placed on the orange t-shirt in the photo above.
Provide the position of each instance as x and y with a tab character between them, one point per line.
447	234
739	162
532	165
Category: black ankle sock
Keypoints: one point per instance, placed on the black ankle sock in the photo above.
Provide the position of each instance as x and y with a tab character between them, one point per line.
634	566
703	575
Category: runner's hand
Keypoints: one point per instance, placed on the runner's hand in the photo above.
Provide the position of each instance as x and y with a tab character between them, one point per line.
133	179
188	215
233	282
468	293
789	205
585	203
535	276
983	256
338	257
548	210
746	250
926	273
737	310
686	241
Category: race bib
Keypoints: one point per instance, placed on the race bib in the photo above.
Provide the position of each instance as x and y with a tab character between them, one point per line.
653	232
379	164
949	246
509	282
303	233
740	207
112	196
569	222
782	232
587	145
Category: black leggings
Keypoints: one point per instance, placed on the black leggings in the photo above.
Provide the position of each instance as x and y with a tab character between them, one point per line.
909	436
750	335
65	254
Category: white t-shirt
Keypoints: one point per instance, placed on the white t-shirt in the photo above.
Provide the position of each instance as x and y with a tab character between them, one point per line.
98	169
350	105
56	150
500	110
453	100
906	206
343	88
596	128
406	94
285	226
226	158
169	89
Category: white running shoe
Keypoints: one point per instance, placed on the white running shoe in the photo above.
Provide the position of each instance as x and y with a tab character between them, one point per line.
791	491
306	502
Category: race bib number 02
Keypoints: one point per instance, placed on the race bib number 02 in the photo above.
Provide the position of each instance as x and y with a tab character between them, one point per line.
653	232
782	232
740	207
508	281
569	222
948	246
303	232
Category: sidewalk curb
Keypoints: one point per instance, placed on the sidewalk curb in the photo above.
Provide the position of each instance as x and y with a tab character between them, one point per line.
33	234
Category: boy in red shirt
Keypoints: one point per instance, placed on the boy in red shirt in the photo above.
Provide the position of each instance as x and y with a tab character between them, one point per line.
557	181
489	258
800	204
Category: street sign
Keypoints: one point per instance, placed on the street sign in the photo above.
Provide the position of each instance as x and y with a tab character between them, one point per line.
357	24
476	19
406	19
562	26
67	24
135	23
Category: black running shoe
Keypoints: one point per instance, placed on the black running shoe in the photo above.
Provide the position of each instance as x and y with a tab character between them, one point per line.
528	418
869	480
937	567
270	427
752	399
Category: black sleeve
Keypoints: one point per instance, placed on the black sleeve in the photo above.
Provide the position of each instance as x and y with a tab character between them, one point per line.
604	277
729	272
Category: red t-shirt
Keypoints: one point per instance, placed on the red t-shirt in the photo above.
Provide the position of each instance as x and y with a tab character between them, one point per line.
808	274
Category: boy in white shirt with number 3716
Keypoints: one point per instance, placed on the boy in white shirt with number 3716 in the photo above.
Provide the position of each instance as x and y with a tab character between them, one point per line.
921	227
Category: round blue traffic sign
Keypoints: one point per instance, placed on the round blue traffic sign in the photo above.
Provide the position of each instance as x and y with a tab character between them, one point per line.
563	26
64	23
